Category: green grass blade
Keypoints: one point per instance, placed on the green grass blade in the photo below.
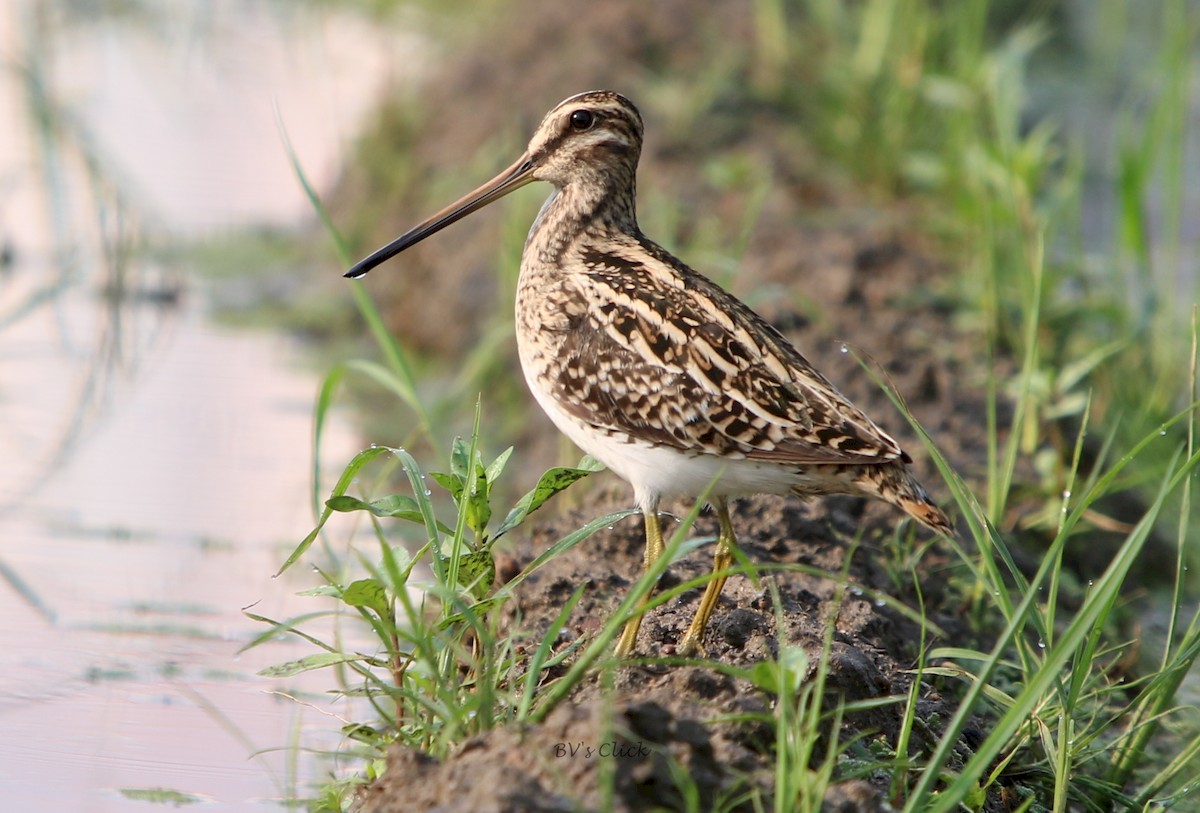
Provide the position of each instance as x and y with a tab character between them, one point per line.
351	471
540	656
325	393
387	343
1044	679
566	543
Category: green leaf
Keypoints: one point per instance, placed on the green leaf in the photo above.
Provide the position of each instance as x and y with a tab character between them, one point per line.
551	483
494	470
348	474
366	734
397	506
478	572
398	562
565	544
478	609
323	590
451	482
976	797
784	676
460	458
479	509
368	593
393	505
416	480
307	664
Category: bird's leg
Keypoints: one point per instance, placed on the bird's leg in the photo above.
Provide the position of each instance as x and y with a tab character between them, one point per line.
654	549
722	559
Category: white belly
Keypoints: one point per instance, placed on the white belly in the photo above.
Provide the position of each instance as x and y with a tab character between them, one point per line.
656	472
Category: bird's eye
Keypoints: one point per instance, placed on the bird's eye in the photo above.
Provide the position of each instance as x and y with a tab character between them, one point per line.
582	120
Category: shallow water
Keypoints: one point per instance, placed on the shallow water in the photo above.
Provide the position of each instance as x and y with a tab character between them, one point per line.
155	467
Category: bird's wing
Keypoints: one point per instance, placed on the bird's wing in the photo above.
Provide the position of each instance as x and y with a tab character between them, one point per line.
664	354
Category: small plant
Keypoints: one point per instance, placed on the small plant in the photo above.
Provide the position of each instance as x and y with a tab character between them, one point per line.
440	670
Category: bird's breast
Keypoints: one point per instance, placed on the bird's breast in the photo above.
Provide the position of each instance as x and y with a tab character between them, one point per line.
549	312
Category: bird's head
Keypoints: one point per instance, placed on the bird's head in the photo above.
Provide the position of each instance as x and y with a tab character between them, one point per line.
590	138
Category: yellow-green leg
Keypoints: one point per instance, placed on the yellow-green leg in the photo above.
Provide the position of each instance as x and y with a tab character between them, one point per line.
722	559
654	549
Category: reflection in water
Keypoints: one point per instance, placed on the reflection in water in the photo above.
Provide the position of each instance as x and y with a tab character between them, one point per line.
67	348
155	467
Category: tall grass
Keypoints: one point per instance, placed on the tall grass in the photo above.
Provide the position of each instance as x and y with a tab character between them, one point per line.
924	101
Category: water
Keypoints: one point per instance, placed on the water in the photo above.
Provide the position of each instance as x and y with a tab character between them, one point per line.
154	467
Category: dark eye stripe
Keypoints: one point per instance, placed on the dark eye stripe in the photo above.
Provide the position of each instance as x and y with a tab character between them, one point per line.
623	130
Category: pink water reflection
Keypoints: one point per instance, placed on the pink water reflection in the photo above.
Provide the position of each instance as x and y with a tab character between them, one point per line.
154	467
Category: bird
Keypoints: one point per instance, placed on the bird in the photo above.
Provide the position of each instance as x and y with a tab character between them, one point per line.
671	382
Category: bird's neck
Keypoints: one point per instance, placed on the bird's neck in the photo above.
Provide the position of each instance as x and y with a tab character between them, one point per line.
580	211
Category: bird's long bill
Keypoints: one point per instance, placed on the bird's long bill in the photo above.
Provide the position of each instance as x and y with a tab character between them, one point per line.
512	178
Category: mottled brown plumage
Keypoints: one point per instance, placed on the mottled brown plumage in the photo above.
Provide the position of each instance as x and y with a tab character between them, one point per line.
673	383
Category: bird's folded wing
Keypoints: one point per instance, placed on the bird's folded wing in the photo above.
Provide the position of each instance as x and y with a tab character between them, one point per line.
671	359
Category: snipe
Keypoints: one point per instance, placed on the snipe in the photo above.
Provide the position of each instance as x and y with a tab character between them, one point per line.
652	368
